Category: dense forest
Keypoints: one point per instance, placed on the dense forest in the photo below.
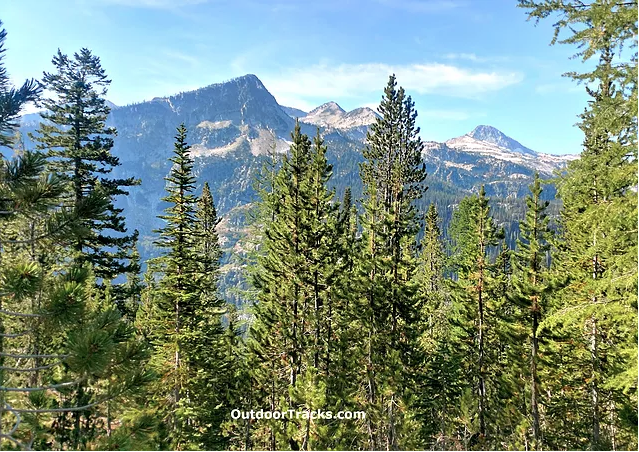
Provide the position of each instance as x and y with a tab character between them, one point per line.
445	340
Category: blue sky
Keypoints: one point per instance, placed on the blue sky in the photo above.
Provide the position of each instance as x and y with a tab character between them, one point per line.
464	62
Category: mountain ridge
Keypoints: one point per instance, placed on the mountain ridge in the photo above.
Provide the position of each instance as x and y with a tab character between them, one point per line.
233	127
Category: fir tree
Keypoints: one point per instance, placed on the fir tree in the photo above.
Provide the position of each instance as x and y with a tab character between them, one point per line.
175	301
297	317
181	316
63	355
79	146
437	384
213	349
52	338
532	287
597	255
474	235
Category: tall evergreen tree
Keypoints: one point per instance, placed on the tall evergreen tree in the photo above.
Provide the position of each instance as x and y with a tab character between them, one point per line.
297	327
393	175
79	145
177	295
597	253
531	288
437	385
475	235
182	316
62	354
213	348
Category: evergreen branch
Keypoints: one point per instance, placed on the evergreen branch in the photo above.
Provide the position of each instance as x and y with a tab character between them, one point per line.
42	236
59	410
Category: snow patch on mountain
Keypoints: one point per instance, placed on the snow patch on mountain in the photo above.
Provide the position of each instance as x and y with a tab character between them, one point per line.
464	166
265	141
326	115
490	134
214	125
493	143
199	150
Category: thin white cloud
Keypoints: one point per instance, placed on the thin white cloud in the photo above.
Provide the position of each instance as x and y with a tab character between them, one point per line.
462	56
345	81
476	58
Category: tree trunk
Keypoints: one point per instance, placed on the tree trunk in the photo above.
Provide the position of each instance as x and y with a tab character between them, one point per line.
534	402
595	389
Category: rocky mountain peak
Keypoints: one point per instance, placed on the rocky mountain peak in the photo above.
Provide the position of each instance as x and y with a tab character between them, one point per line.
332	115
327	108
244	101
490	134
486	133
364	114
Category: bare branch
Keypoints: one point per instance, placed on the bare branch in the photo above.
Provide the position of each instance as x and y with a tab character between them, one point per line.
30	369
10	438
19	314
10	335
42	388
20	356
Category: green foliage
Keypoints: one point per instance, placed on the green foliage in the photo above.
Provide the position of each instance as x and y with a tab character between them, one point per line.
481	320
470	346
393	175
78	144
594	316
301	320
181	317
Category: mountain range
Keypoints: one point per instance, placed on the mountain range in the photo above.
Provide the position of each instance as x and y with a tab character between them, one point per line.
232	126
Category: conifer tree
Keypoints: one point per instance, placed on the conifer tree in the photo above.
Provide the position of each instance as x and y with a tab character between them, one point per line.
531	288
393	175
79	146
173	305
596	255
295	332
474	235
181	316
59	349
213	348
437	384
52	338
